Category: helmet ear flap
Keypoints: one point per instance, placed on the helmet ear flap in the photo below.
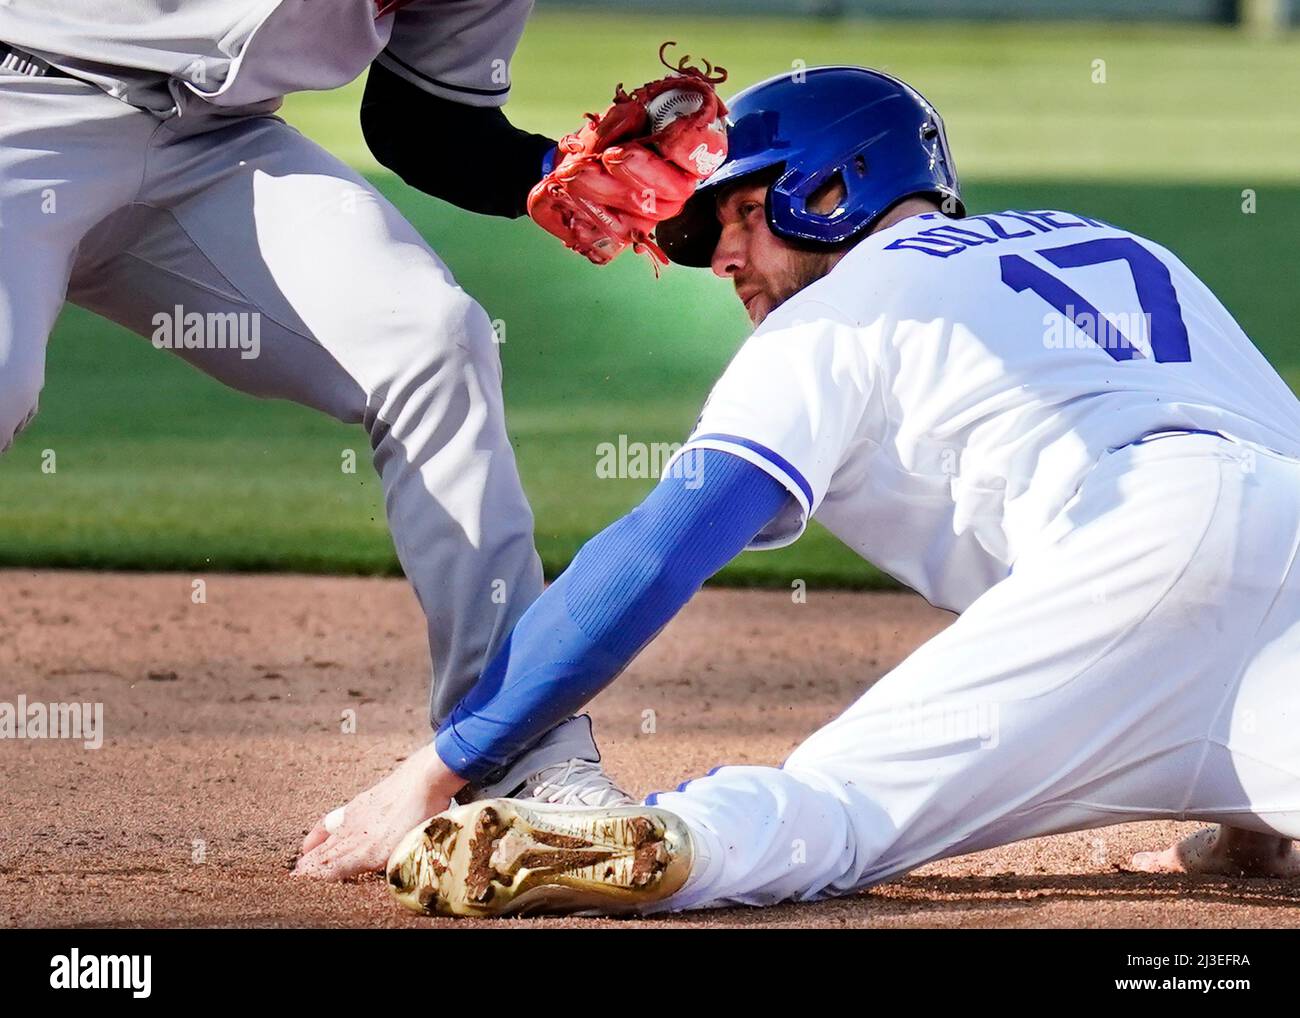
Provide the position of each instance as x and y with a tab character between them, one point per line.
795	203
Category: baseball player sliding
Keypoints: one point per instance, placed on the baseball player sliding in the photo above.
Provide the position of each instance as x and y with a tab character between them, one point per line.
1034	418
142	170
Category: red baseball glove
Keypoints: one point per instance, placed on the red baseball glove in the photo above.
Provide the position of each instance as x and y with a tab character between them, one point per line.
622	173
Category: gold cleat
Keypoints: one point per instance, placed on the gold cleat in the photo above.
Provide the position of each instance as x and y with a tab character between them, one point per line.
508	857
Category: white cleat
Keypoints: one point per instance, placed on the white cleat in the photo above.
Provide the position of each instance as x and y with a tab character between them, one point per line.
509	857
573	783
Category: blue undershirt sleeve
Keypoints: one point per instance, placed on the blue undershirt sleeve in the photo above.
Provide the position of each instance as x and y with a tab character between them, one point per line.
622	588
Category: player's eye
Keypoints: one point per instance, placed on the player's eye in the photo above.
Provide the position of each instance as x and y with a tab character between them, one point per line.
748	208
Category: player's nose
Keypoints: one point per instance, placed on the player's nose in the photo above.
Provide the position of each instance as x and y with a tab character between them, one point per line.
729	254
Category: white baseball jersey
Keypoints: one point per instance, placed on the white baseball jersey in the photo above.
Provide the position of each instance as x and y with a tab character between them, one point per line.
246	55
938	397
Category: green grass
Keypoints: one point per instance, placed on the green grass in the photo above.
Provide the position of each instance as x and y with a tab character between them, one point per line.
160	468
1178	103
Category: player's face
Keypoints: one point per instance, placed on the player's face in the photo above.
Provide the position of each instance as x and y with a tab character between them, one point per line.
765	270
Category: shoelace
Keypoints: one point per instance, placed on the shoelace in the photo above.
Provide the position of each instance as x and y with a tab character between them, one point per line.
577	782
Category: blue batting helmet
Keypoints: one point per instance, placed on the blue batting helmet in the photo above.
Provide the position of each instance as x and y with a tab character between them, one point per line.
878	134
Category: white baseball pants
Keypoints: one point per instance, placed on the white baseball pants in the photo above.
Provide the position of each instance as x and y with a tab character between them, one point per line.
1143	663
129	217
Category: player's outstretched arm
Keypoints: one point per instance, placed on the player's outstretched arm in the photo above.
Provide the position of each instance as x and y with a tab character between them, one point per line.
623	587
471	156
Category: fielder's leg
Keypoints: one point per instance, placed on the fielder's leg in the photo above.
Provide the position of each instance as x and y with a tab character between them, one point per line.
1139	666
359	319
69	155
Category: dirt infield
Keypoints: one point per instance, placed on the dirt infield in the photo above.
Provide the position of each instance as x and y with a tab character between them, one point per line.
223	743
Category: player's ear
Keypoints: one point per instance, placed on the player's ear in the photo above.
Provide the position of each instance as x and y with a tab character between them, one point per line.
829	195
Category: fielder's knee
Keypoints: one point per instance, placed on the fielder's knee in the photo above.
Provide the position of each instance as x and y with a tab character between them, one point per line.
436	353
18	401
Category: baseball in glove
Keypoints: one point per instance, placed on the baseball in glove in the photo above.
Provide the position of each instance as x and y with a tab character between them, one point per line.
627	170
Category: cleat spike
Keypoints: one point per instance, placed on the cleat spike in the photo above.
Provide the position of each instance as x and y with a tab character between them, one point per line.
507	857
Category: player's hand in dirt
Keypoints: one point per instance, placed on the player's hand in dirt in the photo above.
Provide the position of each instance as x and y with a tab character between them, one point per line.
1225	852
377	819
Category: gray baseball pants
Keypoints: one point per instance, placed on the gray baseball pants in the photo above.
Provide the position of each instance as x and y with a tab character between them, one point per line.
130	217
